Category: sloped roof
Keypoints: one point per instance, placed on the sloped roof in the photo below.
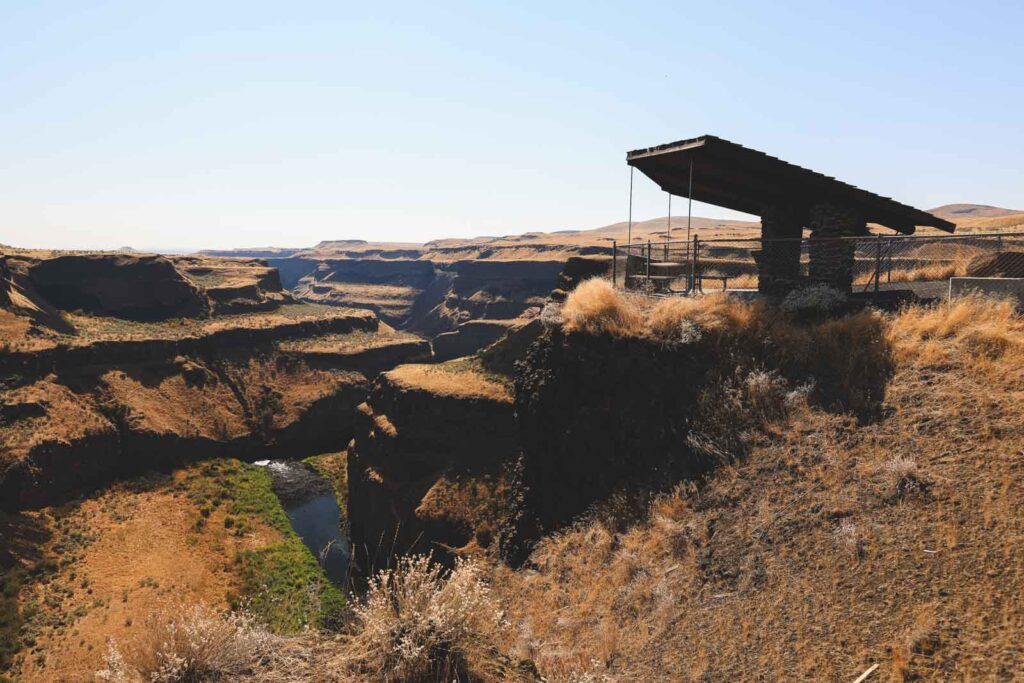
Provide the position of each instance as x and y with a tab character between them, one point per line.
737	177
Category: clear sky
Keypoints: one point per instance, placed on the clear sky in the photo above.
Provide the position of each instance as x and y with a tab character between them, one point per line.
227	124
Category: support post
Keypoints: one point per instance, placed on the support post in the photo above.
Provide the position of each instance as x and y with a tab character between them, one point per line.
629	229
668	231
689	203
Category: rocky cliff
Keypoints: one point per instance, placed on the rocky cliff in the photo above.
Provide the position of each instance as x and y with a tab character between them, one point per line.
461	305
87	396
432	468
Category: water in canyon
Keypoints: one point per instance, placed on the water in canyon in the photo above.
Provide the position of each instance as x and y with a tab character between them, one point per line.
312	508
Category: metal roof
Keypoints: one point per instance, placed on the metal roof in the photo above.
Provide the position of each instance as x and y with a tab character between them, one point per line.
737	177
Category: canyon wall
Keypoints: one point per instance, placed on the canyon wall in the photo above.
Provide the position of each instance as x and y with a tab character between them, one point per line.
88	395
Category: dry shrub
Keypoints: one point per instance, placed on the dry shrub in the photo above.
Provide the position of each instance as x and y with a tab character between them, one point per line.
191	646
675	318
596	307
816	299
733	410
420	622
901	476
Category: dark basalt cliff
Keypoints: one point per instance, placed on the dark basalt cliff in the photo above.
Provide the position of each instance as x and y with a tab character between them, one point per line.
131	287
441	467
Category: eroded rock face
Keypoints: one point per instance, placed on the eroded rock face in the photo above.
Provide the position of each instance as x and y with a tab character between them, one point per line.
6	282
75	419
597	412
388	288
590	415
235	285
128	286
432	466
65	436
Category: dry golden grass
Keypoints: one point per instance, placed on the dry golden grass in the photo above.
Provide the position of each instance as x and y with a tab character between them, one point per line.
596	307
834	546
987	330
459	378
123	559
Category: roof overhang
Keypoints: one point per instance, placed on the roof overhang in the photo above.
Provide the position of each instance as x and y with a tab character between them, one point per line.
736	177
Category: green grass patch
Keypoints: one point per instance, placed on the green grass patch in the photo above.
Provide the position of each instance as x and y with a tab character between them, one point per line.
11	618
282	584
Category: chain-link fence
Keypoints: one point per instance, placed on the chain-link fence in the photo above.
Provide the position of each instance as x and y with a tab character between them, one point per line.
879	264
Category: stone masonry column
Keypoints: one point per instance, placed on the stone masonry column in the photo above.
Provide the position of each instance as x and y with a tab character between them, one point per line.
778	262
831	258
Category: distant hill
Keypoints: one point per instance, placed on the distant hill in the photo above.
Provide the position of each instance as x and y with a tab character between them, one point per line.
953	212
563	243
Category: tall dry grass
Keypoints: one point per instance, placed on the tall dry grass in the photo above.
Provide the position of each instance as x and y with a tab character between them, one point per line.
596	307
980	328
195	645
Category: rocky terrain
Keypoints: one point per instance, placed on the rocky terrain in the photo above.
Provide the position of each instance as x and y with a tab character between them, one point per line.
118	364
608	487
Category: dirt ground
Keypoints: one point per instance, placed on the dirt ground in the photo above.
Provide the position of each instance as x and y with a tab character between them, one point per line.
123	556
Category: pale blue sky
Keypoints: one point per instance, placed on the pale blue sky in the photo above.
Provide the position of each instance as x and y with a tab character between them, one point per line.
221	124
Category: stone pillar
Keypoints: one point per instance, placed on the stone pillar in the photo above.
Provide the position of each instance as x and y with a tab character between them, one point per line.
831	258
778	261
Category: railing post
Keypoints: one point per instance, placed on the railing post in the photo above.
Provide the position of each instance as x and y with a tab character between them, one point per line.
615	258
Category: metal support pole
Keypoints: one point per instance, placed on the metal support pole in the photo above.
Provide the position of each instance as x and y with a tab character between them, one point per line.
668	232
615	258
689	203
629	230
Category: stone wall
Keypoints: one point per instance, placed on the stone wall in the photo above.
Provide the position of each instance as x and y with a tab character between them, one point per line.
831	258
779	258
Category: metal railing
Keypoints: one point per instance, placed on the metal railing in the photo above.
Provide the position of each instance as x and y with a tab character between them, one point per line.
922	265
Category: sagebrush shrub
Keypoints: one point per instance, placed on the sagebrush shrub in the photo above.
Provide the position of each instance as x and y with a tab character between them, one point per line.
421	622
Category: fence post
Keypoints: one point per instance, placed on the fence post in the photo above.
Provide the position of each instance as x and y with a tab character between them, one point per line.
648	265
615	257
693	267
878	262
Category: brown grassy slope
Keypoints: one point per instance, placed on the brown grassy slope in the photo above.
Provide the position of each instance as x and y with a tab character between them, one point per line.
123	556
832	547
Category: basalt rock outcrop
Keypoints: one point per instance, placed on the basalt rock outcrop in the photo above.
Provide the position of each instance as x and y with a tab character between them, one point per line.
128	286
235	285
462	305
433	466
445	465
389	288
601	411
